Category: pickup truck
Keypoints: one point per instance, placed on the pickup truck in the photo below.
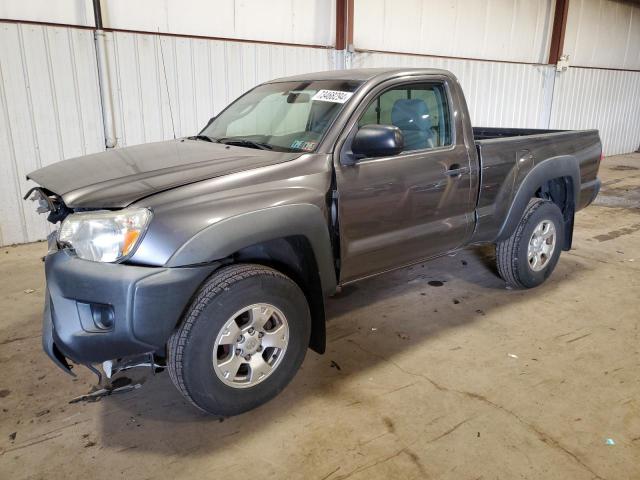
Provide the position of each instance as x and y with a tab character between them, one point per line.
213	255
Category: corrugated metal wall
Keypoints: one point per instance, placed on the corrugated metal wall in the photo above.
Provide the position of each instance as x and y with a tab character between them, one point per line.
536	96
68	12
496	29
608	100
603	33
49	111
50	101
498	94
308	22
201	77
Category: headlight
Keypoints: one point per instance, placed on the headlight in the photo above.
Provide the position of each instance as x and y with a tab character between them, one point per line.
104	236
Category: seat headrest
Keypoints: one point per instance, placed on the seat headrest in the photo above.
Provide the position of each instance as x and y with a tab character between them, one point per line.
411	114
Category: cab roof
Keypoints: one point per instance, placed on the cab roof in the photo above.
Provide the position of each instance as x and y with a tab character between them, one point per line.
362	74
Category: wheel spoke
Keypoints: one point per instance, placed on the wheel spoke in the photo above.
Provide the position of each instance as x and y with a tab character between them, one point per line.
546	228
275	338
230	333
535	261
259	368
229	368
260	315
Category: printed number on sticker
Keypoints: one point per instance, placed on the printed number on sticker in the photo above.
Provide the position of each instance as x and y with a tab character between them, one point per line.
335	96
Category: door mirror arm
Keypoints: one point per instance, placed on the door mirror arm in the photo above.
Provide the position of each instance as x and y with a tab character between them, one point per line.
348	159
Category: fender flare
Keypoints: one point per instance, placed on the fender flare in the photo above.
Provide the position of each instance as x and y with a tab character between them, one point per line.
554	167
228	236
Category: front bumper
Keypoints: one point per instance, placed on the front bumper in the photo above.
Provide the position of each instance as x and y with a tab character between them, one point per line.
103	311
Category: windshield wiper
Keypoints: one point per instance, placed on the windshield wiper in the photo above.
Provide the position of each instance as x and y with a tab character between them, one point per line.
244	142
202	137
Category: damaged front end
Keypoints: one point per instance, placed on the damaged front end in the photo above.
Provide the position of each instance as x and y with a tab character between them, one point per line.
54	207
49	203
112	384
102	310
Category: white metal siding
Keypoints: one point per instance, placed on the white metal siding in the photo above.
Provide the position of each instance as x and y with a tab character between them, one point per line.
49	110
310	22
50	102
201	77
69	12
521	95
608	100
498	94
603	33
493	29
274	20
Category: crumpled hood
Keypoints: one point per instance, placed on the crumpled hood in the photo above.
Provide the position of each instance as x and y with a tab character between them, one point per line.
116	178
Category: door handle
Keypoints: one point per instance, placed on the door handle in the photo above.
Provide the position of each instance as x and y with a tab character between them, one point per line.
455	170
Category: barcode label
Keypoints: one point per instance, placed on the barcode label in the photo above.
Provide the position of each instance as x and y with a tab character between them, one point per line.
335	96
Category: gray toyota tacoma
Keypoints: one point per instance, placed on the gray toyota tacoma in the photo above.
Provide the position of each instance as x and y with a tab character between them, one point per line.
212	255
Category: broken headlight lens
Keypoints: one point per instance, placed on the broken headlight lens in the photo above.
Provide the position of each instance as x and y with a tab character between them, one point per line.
104	236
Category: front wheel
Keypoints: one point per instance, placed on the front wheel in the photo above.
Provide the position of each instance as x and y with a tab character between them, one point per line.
242	340
529	255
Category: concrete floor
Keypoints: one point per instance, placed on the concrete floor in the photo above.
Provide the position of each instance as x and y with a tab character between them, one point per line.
465	380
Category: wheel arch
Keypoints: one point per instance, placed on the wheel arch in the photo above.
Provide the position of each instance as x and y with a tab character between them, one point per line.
556	179
294	257
293	239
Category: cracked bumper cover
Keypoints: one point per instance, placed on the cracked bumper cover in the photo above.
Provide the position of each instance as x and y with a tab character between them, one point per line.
102	311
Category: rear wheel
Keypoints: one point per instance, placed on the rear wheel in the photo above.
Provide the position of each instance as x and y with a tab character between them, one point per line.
529	255
242	340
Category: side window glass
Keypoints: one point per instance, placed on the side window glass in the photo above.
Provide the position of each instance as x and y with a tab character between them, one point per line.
419	110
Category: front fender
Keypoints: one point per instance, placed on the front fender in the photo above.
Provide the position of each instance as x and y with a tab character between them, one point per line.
228	236
555	167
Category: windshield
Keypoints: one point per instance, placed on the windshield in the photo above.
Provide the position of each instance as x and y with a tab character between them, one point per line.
286	116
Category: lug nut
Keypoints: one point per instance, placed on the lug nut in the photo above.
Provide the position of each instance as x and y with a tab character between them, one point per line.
261	334
247	357
238	351
252	331
240	339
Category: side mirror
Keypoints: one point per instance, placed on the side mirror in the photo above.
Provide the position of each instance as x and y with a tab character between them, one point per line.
377	141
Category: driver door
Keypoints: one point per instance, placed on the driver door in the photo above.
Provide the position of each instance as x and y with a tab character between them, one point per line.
398	210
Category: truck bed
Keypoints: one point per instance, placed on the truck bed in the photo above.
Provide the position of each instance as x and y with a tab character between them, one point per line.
486	133
506	156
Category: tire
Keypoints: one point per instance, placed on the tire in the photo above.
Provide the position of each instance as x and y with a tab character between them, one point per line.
512	256
191	356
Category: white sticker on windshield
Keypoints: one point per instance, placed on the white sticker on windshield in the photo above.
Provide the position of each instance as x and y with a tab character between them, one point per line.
335	96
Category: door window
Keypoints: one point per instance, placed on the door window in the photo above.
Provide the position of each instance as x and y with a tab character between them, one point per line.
419	110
